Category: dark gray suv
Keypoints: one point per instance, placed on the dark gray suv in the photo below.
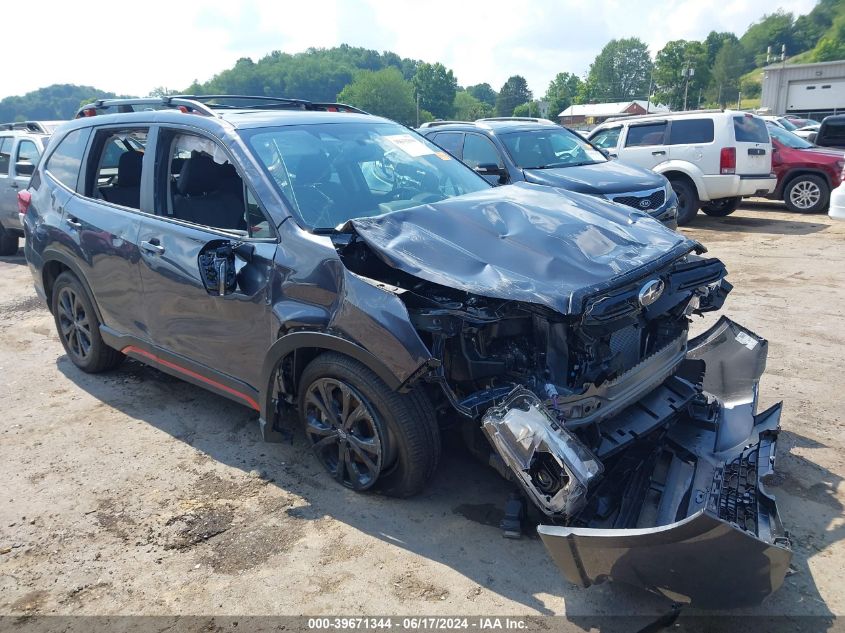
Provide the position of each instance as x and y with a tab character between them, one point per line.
518	149
325	266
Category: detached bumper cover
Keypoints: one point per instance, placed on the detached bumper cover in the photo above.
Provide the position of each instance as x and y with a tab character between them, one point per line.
707	531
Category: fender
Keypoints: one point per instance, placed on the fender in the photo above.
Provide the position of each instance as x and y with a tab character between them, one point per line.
288	344
689	170
53	255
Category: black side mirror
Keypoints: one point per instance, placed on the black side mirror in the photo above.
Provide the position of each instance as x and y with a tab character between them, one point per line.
24	169
491	169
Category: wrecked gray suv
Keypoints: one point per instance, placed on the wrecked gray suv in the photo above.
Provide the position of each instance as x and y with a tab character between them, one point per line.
323	265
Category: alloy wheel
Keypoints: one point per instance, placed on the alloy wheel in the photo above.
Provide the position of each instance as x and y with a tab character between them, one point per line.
343	433
805	194
74	325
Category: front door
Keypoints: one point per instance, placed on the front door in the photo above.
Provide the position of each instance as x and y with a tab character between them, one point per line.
207	260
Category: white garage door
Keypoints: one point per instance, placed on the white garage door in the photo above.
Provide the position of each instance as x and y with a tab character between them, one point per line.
816	94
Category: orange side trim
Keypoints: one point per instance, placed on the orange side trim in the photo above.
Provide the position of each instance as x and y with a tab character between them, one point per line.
131	349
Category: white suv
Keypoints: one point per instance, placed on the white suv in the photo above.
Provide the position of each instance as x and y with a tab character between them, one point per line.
713	158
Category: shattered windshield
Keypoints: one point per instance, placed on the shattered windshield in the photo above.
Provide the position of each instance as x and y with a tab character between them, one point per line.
335	172
550	148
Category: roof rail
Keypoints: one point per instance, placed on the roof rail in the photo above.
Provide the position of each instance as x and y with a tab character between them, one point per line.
29	126
653	115
516	118
429	124
208	104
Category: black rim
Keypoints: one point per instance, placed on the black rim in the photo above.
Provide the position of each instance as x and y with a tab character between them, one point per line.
74	326
343	433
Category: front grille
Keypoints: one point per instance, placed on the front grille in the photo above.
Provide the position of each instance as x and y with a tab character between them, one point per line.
655	200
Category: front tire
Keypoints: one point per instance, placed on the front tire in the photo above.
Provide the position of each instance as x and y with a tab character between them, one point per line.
721	207
807	194
8	242
79	327
687	200
366	435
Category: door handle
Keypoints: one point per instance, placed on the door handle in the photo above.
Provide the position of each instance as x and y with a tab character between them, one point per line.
73	222
152	246
659	152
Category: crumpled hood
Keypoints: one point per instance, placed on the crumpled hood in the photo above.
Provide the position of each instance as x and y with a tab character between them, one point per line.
602	178
524	243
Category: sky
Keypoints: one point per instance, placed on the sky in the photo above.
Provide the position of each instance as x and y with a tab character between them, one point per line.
133	47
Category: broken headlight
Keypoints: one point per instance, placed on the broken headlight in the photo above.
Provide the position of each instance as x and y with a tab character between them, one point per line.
550	463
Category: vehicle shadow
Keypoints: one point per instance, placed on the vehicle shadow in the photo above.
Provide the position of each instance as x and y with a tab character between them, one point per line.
18	258
454	521
737	222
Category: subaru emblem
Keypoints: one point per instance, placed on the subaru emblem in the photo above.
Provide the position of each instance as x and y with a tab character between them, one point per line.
645	203
650	292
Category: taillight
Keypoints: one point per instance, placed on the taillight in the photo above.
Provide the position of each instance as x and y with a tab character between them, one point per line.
727	160
24	198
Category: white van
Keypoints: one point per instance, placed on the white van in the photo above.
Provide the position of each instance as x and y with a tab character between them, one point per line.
713	158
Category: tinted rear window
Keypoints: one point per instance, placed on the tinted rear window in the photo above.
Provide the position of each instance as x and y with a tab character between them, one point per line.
691	131
834	130
648	134
64	162
750	129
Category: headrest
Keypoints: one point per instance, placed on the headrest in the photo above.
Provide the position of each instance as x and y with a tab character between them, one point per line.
198	175
129	169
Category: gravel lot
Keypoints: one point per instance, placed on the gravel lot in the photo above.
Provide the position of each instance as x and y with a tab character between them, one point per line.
135	493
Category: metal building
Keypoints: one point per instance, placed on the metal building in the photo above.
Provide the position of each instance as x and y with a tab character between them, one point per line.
814	90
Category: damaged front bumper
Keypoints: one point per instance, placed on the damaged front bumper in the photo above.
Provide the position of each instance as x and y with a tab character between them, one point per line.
677	503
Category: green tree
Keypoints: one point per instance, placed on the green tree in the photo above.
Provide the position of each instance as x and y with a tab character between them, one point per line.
562	91
436	87
772	30
714	42
513	93
672	62
468	108
56	102
384	92
728	69
620	72
531	108
483	92
809	29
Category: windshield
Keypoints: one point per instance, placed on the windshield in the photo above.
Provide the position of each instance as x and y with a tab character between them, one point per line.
788	138
787	124
550	148
334	172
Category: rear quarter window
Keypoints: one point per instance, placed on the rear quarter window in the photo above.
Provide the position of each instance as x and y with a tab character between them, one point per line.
65	161
691	131
750	129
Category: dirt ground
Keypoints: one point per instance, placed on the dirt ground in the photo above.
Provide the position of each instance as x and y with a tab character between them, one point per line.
136	493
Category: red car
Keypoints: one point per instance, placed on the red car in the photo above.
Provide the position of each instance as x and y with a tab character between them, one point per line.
806	173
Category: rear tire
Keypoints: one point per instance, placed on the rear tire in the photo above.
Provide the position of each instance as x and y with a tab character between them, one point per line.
721	207
807	194
366	435
79	327
687	200
8	242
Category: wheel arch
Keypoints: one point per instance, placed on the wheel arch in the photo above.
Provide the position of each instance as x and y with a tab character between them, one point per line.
795	172
302	347
676	170
55	264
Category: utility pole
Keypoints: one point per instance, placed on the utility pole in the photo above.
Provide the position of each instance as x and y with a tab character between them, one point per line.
688	72
418	109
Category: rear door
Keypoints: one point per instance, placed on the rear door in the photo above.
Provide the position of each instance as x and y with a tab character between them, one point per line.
206	264
753	146
104	234
644	144
691	140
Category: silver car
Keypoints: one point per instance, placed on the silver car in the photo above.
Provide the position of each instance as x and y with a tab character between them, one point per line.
21	146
